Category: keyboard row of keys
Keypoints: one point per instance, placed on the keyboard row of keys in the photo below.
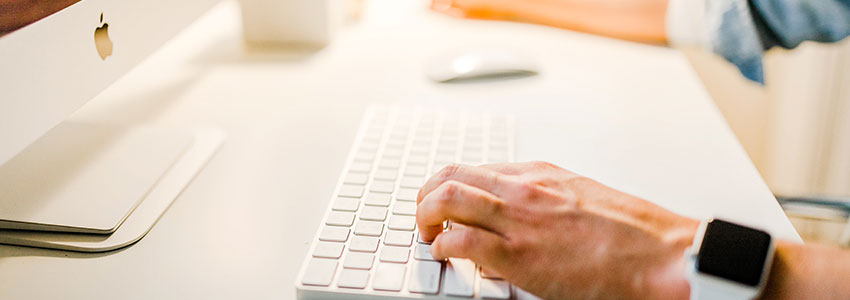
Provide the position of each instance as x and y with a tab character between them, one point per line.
424	277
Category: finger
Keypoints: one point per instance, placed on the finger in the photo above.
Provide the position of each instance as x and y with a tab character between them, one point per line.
458	202
479	245
485	179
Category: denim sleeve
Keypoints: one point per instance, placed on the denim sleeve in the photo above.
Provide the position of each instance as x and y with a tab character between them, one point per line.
741	30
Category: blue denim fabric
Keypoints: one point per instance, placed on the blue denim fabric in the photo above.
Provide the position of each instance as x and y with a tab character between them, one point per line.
747	28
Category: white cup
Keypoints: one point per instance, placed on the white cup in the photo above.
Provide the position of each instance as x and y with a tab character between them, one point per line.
310	22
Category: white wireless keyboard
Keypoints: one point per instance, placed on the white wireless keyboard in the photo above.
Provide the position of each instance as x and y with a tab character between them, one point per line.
368	245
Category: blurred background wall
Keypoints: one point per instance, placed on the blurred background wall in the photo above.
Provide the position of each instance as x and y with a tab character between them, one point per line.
796	129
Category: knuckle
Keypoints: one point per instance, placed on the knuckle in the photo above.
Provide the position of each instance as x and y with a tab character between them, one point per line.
466	240
450	188
543	165
447	194
515	246
498	179
449	171
539	181
528	188
578	180
496	207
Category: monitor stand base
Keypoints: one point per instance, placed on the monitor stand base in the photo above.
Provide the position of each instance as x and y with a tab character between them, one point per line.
140	221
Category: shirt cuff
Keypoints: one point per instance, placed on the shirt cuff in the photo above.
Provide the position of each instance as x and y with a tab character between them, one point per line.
725	27
686	23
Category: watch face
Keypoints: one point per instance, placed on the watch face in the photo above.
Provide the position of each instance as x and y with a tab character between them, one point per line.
733	252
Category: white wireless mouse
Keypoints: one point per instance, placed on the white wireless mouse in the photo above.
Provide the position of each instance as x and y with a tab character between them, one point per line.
479	63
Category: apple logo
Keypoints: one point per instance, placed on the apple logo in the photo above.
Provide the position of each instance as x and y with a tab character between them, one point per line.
101	39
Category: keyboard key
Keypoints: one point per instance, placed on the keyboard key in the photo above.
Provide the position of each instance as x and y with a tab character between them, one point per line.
328	250
395	254
355	279
372	136
364	156
364	244
388	277
334	234
319	272
472	156
340	218
355	260
494	289
404	208
371	147
499	144
351	191
378	199
361	167
444	158
424	277
448	140
393	153
395	144
369	228
407	223
473	148
497	155
407	194
422	141
421	152
423	252
386	174
418	160
460	276
356	178
414	170
382	186
412	182
346	204
474	134
390	164
398	238
373	213
399	135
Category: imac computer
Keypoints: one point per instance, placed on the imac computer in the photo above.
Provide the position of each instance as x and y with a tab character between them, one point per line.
77	185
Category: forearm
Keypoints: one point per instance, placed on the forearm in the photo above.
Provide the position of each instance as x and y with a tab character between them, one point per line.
809	272
637	20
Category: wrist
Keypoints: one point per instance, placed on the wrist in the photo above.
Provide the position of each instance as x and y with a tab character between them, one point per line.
729	261
669	280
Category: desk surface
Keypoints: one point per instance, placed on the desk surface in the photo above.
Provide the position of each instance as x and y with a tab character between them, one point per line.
241	229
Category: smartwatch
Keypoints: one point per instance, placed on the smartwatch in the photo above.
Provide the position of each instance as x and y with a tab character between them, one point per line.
728	261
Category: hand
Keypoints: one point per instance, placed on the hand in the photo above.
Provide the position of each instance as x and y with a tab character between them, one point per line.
556	234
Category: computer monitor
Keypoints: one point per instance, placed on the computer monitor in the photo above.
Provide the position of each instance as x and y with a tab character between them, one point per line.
53	66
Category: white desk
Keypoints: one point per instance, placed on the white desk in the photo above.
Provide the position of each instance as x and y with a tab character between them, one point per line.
632	116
